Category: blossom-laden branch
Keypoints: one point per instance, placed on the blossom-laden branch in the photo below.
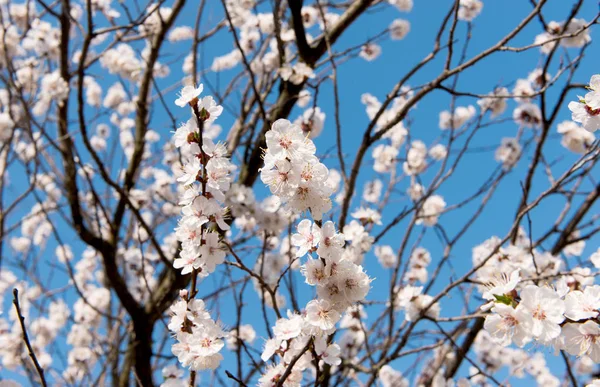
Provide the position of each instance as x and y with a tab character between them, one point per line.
204	180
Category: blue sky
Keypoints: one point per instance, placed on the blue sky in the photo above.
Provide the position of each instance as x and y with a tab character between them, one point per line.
357	77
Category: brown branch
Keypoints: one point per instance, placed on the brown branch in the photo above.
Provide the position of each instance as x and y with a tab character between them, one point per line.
38	368
304	49
563	239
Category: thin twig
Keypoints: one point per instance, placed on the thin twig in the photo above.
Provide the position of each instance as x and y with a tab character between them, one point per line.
38	367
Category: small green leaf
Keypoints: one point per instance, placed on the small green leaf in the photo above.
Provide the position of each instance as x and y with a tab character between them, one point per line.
504	299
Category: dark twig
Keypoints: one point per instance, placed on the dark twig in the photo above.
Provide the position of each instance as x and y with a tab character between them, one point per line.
37	365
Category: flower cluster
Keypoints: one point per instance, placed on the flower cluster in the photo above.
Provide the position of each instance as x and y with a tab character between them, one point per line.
457	118
293	172
562	318
574	137
575	31
339	281
418	157
587	110
294	336
518	361
199	338
417	266
295	175
205	177
414	303
496	102
560	314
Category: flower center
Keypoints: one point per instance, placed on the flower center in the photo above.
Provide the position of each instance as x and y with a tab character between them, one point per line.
302	192
333	290
592	112
319	274
307	126
539	313
323	314
351	283
592	339
283	176
285	143
525	116
510	321
307	174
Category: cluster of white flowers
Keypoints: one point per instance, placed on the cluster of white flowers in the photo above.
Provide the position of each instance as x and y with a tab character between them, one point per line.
295	175
587	110
397	133
87	315
399	28
417	160
53	88
199	338
496	102
402	5
389	377
561	314
562	318
173	376
122	60
576	30
503	264
519	362
413	302
293	172
253	28
339	281
205	178
574	137
372	191
296	73
457	118
293	337
386	256
417	266
386	156
528	115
